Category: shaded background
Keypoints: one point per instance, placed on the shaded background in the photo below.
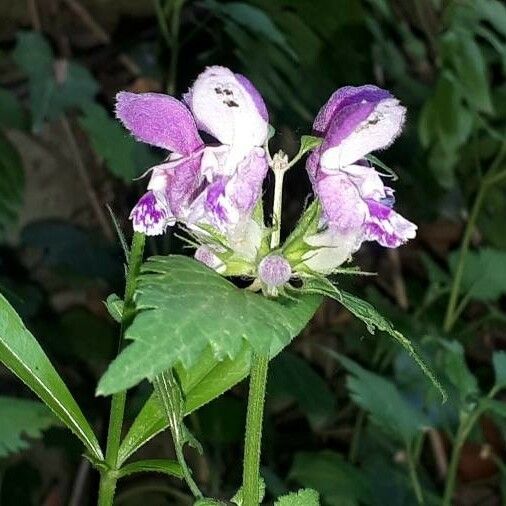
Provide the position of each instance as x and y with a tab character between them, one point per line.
63	158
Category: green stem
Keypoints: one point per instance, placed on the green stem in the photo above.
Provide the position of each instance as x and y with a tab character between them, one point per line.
468	233
169	394
413	476
463	431
109	478
253	440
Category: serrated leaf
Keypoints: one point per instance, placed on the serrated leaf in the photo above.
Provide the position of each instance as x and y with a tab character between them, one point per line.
22	354
304	497
499	361
382	400
163	466
205	381
372	319
123	155
338	482
22	418
184	307
114	305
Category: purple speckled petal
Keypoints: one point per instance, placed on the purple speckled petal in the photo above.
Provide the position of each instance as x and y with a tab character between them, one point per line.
387	227
159	120
360	129
344	97
227	109
151	215
343	208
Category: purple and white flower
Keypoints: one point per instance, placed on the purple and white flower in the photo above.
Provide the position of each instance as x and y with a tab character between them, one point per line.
217	183
357	206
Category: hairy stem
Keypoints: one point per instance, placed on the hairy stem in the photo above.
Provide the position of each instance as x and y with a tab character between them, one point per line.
254	421
169	394
109	478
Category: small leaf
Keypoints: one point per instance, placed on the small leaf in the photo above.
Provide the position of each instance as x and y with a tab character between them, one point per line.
114	306
304	497
308	143
307	225
499	361
22	354
21	417
183	307
163	466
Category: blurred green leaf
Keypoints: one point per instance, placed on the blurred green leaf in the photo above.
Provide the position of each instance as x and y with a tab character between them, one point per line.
21	417
493	11
381	398
123	155
499	361
22	354
114	306
456	369
55	85
304	497
183	307
484	275
292	377
12	183
462	52
340	483
372	319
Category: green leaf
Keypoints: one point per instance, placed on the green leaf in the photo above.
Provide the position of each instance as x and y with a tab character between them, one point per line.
292	377
12	183
114	306
308	143
304	497
123	155
205	381
455	368
372	319
184	307
499	361
163	466
493	11
340	483
21	417
463	53
55	85
22	354
484	275
382	400
205	501
295	245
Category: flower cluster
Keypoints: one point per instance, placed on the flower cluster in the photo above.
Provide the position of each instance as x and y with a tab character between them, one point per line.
213	187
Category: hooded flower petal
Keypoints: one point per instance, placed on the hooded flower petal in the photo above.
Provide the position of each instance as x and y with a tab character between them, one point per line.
228	107
359	129
159	120
151	215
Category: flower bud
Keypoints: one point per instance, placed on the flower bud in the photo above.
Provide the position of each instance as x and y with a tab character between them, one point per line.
274	271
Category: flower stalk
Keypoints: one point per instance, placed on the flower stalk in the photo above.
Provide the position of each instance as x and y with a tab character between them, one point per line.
109	476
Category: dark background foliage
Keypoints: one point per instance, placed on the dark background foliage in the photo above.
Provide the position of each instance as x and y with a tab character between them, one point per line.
350	431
